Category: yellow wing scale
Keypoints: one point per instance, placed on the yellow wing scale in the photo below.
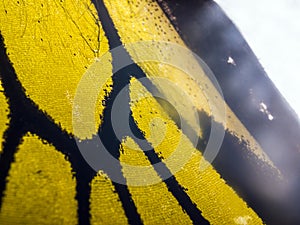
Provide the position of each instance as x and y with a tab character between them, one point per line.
154	203
40	187
106	208
143	20
4	112
57	41
218	202
61	40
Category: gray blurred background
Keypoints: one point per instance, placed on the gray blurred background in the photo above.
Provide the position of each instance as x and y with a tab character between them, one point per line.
272	29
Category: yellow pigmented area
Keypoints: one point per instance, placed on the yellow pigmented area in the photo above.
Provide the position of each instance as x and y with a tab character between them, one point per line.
106	208
158	128
51	44
131	154
218	202
39	185
155	203
145	21
4	111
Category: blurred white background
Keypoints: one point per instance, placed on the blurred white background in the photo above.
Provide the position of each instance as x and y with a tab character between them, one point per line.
272	29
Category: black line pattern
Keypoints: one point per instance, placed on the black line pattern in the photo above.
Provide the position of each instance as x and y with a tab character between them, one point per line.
26	117
208	31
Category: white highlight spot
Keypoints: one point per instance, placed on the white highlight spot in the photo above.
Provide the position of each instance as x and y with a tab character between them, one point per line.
264	109
270	117
231	61
242	220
